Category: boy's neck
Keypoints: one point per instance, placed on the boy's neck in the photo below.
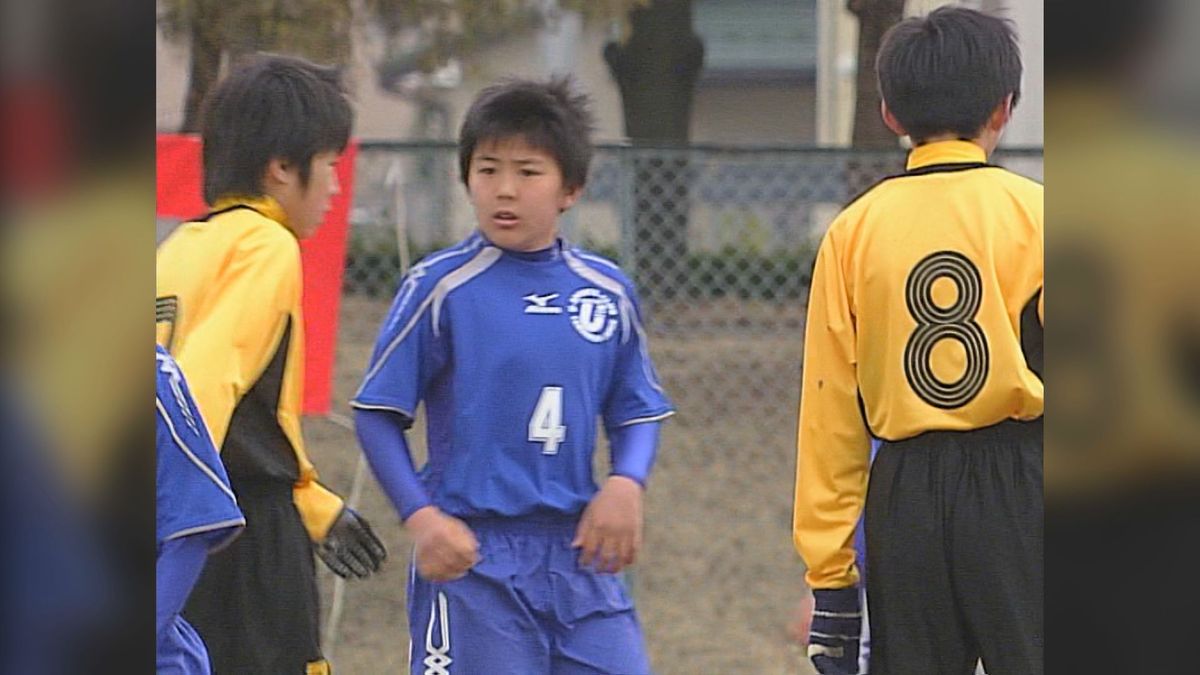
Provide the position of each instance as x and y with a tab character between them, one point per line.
550	252
988	140
540	255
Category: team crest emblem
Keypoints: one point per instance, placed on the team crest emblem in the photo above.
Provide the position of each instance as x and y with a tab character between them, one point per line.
593	314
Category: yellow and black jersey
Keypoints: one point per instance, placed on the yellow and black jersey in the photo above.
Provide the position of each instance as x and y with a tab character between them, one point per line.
228	310
1123	251
925	313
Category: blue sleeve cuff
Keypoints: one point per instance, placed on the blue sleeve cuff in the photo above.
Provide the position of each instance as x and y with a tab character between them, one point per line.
634	449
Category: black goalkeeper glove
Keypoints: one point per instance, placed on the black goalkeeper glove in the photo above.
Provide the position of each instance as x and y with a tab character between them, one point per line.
350	548
836	631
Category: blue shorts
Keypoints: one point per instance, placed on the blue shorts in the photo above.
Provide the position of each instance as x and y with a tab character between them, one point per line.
527	608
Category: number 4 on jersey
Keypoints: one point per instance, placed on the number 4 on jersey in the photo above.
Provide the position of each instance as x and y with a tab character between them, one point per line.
545	425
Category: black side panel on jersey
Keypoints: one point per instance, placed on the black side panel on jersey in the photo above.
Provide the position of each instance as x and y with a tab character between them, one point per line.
256	447
1032	335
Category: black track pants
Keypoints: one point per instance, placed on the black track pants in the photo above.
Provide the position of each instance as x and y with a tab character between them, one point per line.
954	545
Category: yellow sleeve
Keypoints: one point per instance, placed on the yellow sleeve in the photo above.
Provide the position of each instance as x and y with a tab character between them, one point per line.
318	507
226	351
833	446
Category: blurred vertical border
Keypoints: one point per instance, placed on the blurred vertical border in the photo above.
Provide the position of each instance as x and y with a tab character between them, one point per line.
1123	334
76	280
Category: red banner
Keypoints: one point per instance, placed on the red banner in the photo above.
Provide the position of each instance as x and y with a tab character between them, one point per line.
323	256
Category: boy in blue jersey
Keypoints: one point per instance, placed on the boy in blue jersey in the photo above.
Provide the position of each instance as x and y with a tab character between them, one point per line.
516	341
196	514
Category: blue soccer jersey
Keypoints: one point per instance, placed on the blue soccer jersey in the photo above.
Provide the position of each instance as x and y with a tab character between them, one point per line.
194	496
515	357
194	501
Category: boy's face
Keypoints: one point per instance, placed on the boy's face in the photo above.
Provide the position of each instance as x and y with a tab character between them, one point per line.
306	206
518	194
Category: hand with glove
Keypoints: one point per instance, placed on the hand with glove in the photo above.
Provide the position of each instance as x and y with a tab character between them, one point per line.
350	548
833	639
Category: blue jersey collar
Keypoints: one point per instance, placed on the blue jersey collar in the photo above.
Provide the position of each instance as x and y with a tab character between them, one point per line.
554	252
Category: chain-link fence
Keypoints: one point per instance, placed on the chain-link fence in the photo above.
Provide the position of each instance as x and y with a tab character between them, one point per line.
719	240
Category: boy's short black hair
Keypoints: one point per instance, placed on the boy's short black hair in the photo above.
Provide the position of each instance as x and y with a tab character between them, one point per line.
946	72
270	106
549	115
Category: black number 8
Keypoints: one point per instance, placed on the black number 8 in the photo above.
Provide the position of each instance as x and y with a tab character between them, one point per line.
934	324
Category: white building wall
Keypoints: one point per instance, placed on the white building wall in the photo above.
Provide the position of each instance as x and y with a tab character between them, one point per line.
759	113
171	73
838	55
1026	128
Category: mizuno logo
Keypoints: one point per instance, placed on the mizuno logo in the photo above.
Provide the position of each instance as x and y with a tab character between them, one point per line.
540	304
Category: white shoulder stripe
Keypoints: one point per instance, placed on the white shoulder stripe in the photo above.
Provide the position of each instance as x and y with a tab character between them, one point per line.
597	259
606	282
647	366
393	344
204	468
465	247
418	271
458	277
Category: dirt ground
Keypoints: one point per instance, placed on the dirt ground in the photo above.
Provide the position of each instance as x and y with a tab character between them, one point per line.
718	580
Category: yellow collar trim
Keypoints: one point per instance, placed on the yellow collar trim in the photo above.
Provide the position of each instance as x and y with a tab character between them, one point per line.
945	152
266	205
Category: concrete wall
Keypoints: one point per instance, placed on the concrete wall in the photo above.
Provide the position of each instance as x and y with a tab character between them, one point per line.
755	114
723	113
759	113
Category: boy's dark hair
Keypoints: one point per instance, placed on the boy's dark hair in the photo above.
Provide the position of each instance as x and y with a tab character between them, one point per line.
270	106
549	115
946	72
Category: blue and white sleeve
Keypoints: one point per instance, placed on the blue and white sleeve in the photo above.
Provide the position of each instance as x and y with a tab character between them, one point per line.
409	352
635	394
194	498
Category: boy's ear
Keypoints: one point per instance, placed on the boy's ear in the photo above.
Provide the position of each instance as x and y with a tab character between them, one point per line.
570	196
890	120
279	171
1001	115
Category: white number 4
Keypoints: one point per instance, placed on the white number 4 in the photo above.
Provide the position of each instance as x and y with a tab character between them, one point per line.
545	425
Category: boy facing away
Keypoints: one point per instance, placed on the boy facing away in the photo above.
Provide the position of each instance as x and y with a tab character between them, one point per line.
229	310
516	341
925	331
